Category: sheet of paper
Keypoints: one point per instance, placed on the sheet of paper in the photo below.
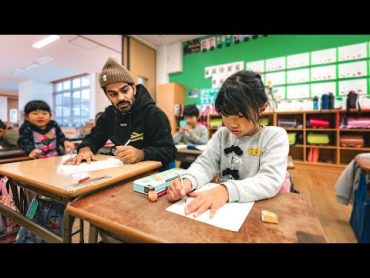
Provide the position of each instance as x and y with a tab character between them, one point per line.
180	147
231	216
93	166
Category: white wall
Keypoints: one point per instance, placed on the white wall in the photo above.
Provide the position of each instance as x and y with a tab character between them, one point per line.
162	75
4	109
34	90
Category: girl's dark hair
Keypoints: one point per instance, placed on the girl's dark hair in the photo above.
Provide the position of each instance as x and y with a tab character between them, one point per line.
191	110
243	94
36	105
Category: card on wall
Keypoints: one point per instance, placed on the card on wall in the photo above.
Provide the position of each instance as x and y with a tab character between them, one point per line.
298	91
325	56
279	93
257	66
357	85
207	72
351	52
276	78
298	60
356	69
317	89
298	76
323	73
275	64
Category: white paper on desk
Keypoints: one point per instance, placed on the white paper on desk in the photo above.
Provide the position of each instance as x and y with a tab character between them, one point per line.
93	166
181	146
231	216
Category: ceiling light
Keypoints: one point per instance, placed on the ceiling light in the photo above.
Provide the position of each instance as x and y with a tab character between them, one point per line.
46	41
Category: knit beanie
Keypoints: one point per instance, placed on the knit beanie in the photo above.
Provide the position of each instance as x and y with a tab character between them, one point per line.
114	72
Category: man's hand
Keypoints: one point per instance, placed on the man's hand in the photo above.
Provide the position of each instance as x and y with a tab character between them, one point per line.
35	154
84	154
129	154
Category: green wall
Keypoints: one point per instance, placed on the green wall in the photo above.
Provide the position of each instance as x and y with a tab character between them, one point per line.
262	48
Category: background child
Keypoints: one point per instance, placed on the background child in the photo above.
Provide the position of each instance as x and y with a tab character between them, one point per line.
251	159
8	137
41	137
193	132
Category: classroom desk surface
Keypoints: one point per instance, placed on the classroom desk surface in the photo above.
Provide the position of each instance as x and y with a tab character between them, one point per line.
363	163
133	218
44	174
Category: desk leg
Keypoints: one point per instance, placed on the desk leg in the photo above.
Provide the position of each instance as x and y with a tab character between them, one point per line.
81	231
93	234
67	227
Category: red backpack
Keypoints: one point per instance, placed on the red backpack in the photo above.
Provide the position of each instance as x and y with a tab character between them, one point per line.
8	228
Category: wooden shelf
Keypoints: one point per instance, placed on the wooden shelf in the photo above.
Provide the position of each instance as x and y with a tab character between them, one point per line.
321	129
322	147
365	149
339	155
293	128
355	129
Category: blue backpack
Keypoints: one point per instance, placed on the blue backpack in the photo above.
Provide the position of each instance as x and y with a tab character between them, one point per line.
45	212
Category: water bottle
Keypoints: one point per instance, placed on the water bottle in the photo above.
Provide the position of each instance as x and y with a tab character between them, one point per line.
331	101
315	103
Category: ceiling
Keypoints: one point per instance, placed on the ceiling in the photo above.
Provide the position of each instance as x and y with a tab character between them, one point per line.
68	56
158	40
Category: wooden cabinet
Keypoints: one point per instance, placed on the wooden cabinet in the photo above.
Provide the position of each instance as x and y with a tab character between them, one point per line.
167	96
298	123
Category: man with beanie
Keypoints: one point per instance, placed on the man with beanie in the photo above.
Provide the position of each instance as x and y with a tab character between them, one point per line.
137	127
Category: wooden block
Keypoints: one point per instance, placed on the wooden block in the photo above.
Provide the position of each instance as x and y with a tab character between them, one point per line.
269	216
152	196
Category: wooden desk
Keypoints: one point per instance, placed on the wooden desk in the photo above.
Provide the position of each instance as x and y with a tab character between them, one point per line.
7	156
43	176
131	217
186	155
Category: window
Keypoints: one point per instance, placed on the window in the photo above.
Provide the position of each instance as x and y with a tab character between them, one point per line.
72	101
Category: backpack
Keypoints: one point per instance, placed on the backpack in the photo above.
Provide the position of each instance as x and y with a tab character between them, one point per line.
8	228
352	101
45	212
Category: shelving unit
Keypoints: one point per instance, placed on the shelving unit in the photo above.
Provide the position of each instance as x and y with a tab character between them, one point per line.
332	154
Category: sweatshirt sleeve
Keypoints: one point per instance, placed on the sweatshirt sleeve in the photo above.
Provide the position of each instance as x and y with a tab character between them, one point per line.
158	131
203	138
177	137
267	182
206	166
25	140
97	137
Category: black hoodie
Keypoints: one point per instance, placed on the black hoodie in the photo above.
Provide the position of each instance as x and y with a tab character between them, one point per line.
145	124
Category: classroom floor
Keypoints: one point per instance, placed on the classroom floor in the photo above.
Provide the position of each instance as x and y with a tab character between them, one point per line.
317	183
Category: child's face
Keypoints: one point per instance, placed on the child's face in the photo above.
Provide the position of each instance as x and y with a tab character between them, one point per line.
39	118
239	126
191	121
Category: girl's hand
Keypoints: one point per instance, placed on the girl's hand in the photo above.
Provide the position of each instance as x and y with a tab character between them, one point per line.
69	146
35	154
210	199
176	192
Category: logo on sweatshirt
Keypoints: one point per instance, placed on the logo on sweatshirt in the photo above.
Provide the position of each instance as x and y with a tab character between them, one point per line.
136	136
254	151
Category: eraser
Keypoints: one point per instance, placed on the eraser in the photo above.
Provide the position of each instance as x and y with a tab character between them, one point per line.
152	196
269	216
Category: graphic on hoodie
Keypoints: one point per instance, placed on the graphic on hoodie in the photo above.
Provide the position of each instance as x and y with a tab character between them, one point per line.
47	143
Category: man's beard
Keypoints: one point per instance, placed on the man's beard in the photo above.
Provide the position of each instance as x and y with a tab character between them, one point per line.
127	108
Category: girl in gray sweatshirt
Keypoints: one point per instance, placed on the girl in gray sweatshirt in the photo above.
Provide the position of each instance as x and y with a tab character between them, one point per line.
250	159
